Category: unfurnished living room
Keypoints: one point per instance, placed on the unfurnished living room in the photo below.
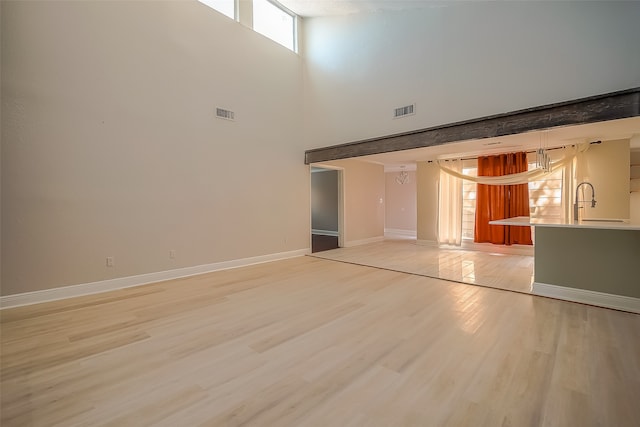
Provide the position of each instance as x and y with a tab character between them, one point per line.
320	213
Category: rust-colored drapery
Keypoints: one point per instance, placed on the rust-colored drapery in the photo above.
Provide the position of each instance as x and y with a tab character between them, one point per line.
502	201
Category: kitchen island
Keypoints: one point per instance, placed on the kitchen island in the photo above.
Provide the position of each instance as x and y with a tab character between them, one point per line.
593	261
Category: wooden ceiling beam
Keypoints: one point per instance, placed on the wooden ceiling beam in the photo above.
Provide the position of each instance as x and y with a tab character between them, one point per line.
599	108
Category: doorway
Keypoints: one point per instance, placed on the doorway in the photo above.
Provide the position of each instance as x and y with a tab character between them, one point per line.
326	209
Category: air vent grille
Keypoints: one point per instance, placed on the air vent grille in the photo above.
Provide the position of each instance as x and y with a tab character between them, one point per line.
407	110
221	113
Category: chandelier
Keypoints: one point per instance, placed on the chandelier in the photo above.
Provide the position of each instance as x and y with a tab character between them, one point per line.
402	178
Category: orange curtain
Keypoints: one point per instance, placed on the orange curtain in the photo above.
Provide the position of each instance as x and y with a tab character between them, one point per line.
502	201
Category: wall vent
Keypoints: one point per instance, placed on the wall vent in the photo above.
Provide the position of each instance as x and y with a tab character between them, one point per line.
407	110
221	113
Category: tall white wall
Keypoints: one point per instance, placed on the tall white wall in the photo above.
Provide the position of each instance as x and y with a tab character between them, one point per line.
110	145
462	60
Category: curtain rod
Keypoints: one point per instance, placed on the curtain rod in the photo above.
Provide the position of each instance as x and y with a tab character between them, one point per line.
528	152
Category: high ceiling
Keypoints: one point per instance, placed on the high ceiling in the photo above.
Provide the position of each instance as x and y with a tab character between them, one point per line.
316	8
616	129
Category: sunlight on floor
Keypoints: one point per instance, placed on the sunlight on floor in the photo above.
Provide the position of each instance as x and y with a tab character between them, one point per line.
491	269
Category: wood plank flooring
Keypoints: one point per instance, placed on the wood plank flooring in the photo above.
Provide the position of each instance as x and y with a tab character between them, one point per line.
313	342
492	269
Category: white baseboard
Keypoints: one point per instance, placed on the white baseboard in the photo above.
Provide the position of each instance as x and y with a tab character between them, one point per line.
399	233
600	299
71	291
363	241
324	232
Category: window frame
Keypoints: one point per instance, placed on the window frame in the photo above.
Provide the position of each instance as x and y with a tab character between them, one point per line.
236	12
294	26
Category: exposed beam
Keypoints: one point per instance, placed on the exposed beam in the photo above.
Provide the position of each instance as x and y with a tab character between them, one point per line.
600	108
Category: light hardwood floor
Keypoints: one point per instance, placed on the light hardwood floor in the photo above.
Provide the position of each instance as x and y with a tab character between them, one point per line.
492	269
312	342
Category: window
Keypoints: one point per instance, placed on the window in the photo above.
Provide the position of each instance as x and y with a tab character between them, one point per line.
545	196
273	21
226	7
269	18
468	200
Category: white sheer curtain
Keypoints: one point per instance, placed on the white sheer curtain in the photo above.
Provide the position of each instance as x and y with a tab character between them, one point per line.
517	178
450	205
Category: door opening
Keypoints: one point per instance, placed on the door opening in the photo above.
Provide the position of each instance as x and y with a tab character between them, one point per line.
326	207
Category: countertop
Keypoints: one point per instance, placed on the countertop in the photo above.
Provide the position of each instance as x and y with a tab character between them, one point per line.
606	224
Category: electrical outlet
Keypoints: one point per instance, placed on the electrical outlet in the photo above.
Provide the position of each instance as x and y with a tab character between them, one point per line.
110	262
172	254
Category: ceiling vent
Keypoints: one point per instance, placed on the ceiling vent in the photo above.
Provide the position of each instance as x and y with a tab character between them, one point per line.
221	113
407	110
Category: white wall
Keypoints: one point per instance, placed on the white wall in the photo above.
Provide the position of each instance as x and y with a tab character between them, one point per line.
110	145
364	194
428	176
461	60
634	174
400	204
605	167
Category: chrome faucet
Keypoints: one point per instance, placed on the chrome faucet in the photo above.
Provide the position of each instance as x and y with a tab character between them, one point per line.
575	205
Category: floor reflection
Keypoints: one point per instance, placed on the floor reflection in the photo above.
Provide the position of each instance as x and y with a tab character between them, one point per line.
496	270
470	308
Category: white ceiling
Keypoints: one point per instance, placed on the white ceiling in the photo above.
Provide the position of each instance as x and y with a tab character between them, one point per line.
316	8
